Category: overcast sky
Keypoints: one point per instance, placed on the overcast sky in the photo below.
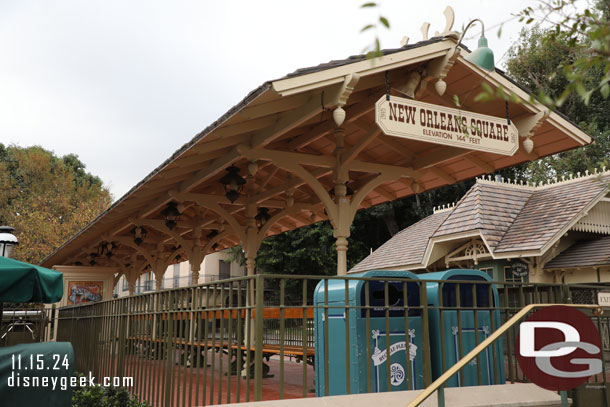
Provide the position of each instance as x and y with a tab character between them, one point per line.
125	83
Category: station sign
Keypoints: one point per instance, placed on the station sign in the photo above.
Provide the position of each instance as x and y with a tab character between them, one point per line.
406	118
520	269
603	299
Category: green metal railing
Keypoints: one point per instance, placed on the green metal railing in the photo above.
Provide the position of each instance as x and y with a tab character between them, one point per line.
252	338
438	384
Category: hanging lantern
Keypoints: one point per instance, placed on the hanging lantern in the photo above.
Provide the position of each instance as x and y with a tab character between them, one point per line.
138	233
262	217
233	183
483	56
105	249
7	241
171	215
212	234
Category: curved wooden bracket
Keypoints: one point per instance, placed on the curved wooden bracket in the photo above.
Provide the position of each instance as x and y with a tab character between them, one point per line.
314	184
213	206
366	189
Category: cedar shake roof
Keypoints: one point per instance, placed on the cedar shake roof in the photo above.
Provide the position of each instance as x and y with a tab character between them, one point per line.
509	217
583	254
489	208
406	247
548	211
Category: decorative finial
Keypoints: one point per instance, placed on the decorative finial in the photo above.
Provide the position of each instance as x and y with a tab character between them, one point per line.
449	20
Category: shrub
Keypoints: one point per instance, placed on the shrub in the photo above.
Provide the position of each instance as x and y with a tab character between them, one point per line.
98	396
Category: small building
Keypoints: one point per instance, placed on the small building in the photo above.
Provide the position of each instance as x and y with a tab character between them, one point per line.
558	231
214	267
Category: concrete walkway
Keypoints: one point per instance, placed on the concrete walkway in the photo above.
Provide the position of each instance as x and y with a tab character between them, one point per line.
503	395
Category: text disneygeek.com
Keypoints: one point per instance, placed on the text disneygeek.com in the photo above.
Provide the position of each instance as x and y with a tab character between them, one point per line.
18	380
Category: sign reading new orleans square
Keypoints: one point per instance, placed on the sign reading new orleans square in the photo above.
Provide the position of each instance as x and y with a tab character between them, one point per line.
421	121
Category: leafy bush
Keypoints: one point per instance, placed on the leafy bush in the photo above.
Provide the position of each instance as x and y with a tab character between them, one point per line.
98	396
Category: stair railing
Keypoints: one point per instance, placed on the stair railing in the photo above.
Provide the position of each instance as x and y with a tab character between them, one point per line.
438	384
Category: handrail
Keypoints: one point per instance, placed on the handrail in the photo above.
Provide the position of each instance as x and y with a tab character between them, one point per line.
480	347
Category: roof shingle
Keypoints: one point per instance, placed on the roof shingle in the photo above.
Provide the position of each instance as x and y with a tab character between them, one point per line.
509	218
583	254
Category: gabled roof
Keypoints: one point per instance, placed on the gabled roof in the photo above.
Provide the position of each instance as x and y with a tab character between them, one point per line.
508	217
489	208
287	121
583	254
406	247
548	211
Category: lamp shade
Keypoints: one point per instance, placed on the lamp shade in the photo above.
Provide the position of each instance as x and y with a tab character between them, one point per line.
483	56
7	241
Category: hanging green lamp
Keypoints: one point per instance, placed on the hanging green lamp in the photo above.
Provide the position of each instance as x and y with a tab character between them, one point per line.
483	56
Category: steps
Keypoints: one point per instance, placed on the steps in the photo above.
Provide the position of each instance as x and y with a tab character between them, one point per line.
503	395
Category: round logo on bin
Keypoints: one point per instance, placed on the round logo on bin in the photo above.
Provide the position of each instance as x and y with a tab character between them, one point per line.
558	348
397	374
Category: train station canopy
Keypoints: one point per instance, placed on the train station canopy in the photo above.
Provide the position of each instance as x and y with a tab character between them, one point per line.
322	143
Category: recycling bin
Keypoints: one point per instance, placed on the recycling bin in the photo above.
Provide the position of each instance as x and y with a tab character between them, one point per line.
405	346
449	326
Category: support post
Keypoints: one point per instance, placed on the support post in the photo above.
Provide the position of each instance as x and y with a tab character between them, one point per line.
343	221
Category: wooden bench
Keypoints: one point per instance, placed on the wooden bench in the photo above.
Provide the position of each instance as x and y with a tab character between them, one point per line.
222	345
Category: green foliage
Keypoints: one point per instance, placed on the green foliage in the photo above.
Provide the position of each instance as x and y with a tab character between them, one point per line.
46	199
98	396
532	62
374	50
585	35
311	250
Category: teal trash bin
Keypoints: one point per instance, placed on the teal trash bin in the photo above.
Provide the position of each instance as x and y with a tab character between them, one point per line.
405	361
448	327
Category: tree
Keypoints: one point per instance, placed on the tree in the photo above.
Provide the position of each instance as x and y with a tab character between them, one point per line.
46	199
533	62
585	35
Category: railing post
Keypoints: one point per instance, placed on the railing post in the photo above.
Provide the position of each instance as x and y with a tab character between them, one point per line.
426	354
258	338
440	396
122	335
564	398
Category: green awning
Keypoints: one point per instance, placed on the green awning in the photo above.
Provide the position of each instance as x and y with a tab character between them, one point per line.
24	282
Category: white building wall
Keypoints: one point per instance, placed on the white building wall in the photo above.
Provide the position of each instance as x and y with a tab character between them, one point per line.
180	275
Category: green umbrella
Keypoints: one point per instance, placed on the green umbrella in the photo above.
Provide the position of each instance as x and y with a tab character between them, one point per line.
24	282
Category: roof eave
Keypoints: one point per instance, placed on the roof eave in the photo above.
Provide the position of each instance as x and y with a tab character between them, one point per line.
326	77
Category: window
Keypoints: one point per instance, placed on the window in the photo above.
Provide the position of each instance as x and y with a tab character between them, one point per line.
148	283
125	284
176	275
224	270
488	270
510	277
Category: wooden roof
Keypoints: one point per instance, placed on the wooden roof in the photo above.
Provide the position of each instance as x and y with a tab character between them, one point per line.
511	219
292	117
589	253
